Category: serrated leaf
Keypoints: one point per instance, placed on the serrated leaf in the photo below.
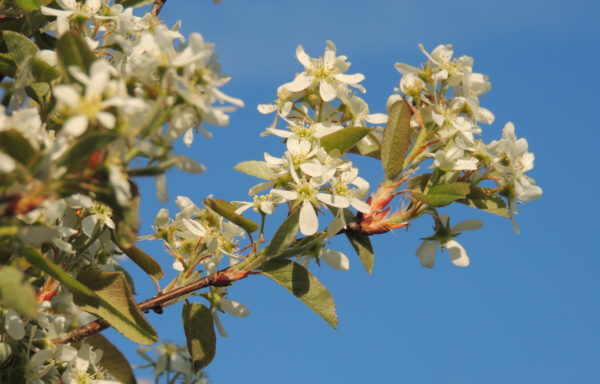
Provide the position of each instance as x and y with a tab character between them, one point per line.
396	139
364	249
16	146
489	203
115	304
31	5
199	333
368	146
344	139
73	50
35	70
285	234
254	168
144	261
7	65
19	46
444	194
16	294
419	182
85	147
227	210
304	285
112	359
35	258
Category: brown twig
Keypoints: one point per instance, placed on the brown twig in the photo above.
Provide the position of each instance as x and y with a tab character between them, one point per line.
220	278
156	7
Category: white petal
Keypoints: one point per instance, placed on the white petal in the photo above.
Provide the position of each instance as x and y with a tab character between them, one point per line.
7	163
234	308
194	227
458	255
265	109
426	253
333	200
303	58
309	223
349	79
178	266
286	195
67	94
76	125
188	137
161	188
300	83
312	169
377	118
360	205
88	224
467	225
335	259
14	325
107	120
327	91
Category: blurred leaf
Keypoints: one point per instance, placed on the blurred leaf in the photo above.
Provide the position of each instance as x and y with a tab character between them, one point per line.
19	46
188	165
344	139
84	147
73	50
489	203
227	210
285	235
112	359
38	92
115	305
258	169
362	245
35	70
133	3
144	261
7	65
304	285
419	182
368	146
258	188
35	258
444	194
16	294
303	246
199	333
396	139
16	146
31	5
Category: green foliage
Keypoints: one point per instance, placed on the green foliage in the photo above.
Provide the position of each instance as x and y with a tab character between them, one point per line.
144	261
396	139
227	210
254	168
112	359
199	333
486	202
285	235
362	245
344	139
304	285
16	146
16	294
72	50
19	46
444	194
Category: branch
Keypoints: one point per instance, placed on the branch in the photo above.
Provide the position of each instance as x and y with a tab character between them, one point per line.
156	7
220	278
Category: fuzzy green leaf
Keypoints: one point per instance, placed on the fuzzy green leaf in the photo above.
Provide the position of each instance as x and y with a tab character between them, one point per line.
7	65
35	70
16	294
344	139
19	46
199	333
73	50
134	3
444	194
285	235
112	359
144	261
115	305
258	169
304	285
16	146
35	258
364	249
419	182
369	146
489	203
31	5
85	147
227	210
396	139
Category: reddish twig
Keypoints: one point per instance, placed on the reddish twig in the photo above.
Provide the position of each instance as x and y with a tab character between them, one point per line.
156	7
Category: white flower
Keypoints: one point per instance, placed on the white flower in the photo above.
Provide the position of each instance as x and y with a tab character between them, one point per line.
14	325
335	259
327	72
443	238
72	7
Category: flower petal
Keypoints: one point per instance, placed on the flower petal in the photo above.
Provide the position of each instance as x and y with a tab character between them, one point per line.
300	83
458	255
335	259
327	91
309	223
426	253
467	225
234	308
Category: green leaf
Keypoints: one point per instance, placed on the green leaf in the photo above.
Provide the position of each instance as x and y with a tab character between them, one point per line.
362	245
112	359
303	246
31	5
285	234
73	50
35	70
419	182
258	169
370	147
134	3
188	165
227	210
489	203
344	139
19	46
16	146
85	147
7	65
38	92
304	285
144	261
396	139
199	333
115	304
35	258
444	194
16	294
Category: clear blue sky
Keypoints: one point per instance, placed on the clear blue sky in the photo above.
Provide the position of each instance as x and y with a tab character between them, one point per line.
527	310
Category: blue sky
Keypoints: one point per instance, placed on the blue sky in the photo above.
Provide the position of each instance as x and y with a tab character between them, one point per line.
527	309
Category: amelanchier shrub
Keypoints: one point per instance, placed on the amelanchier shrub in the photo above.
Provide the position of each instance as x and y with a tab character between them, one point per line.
95	97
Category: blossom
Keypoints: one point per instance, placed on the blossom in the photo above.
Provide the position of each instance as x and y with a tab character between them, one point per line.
327	72
72	8
444	238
